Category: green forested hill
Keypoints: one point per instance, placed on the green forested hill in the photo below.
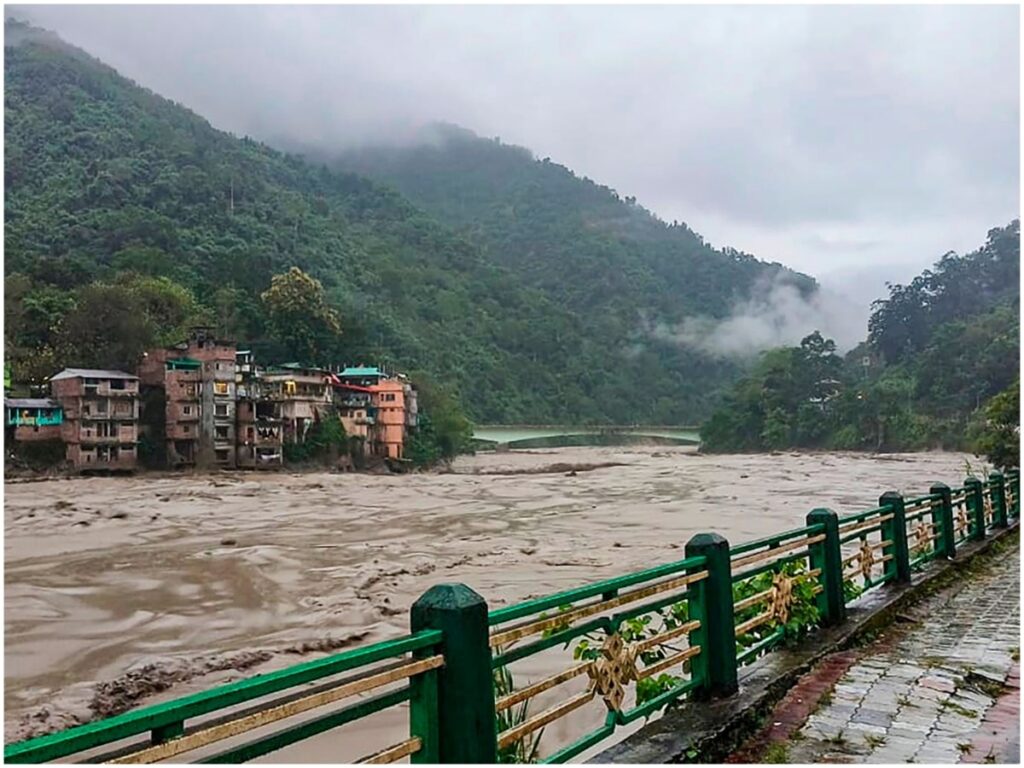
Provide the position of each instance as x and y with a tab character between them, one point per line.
604	256
942	352
128	217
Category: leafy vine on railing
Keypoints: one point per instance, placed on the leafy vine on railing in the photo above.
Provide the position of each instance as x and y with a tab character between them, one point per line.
803	609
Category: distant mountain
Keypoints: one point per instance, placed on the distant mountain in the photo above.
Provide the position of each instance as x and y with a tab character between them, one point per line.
529	290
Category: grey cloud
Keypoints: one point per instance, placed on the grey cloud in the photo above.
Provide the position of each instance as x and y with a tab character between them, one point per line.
778	315
760	126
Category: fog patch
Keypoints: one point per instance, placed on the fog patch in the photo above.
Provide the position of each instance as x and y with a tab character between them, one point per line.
776	315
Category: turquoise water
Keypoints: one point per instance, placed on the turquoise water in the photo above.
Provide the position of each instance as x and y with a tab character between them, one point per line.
577	435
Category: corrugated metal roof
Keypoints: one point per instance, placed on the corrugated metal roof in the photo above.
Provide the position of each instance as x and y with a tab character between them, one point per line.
30	402
90	373
361	371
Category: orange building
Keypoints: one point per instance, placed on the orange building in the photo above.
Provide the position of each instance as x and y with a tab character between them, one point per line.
388	397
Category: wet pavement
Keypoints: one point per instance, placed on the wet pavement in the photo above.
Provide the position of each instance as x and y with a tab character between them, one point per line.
943	689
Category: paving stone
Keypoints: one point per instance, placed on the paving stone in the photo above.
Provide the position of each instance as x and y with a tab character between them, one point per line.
866	728
871	717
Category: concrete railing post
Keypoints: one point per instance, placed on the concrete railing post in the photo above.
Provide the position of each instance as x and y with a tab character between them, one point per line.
997	491
942	519
465	696
827	555
711	604
895	530
976	503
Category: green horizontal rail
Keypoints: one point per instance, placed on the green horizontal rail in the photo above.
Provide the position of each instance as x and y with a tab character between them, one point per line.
863	533
592	590
302	731
580	745
918	514
789	557
63	743
776	539
858	516
556	638
659	701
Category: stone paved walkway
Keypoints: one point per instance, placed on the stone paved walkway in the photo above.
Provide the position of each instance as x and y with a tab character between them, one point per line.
924	697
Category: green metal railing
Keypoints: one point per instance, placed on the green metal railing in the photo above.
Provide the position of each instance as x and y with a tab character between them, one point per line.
638	642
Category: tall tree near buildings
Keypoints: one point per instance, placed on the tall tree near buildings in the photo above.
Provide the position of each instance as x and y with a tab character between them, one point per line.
298	314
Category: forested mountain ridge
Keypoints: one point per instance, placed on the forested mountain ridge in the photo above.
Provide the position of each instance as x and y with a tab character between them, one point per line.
942	356
129	217
603	255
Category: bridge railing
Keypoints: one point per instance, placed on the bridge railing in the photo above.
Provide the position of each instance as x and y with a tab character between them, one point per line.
548	679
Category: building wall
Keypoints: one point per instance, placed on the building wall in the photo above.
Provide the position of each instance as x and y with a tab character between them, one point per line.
30	433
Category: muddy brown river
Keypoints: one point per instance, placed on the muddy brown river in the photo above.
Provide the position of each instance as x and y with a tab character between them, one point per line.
133	590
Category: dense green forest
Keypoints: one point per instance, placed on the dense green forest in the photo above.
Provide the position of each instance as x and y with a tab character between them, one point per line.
128	218
940	368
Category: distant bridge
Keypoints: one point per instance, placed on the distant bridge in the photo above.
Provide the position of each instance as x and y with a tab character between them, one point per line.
553	436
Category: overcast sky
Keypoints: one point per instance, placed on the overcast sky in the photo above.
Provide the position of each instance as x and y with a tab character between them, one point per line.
854	143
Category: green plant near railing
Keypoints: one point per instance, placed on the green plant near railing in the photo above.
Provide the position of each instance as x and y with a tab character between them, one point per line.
635	630
803	610
526	749
851	590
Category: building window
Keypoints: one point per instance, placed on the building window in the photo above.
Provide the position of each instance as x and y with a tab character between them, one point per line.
220	387
221	409
187	410
117	384
221	433
186	429
222	454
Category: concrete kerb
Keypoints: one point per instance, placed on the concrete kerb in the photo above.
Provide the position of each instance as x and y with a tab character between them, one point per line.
710	731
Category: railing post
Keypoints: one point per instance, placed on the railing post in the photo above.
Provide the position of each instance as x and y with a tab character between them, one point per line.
997	491
942	519
975	497
895	530
827	555
1012	494
465	685
711	603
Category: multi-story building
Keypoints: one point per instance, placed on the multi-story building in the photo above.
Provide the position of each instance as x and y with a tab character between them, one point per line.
197	378
258	418
388	402
100	417
303	395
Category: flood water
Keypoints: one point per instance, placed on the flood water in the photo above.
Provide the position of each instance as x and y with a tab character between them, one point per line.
156	586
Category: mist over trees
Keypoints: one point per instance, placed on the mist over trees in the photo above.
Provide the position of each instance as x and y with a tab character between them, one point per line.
942	369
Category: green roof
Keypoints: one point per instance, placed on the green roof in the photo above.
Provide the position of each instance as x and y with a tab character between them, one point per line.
362	371
183	364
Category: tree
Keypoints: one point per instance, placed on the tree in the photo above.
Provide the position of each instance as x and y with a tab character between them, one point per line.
106	329
112	324
299	316
997	436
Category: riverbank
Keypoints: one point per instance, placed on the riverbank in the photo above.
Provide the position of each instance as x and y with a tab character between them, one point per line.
127	590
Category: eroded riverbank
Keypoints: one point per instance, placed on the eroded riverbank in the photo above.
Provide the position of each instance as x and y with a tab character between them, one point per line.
121	589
